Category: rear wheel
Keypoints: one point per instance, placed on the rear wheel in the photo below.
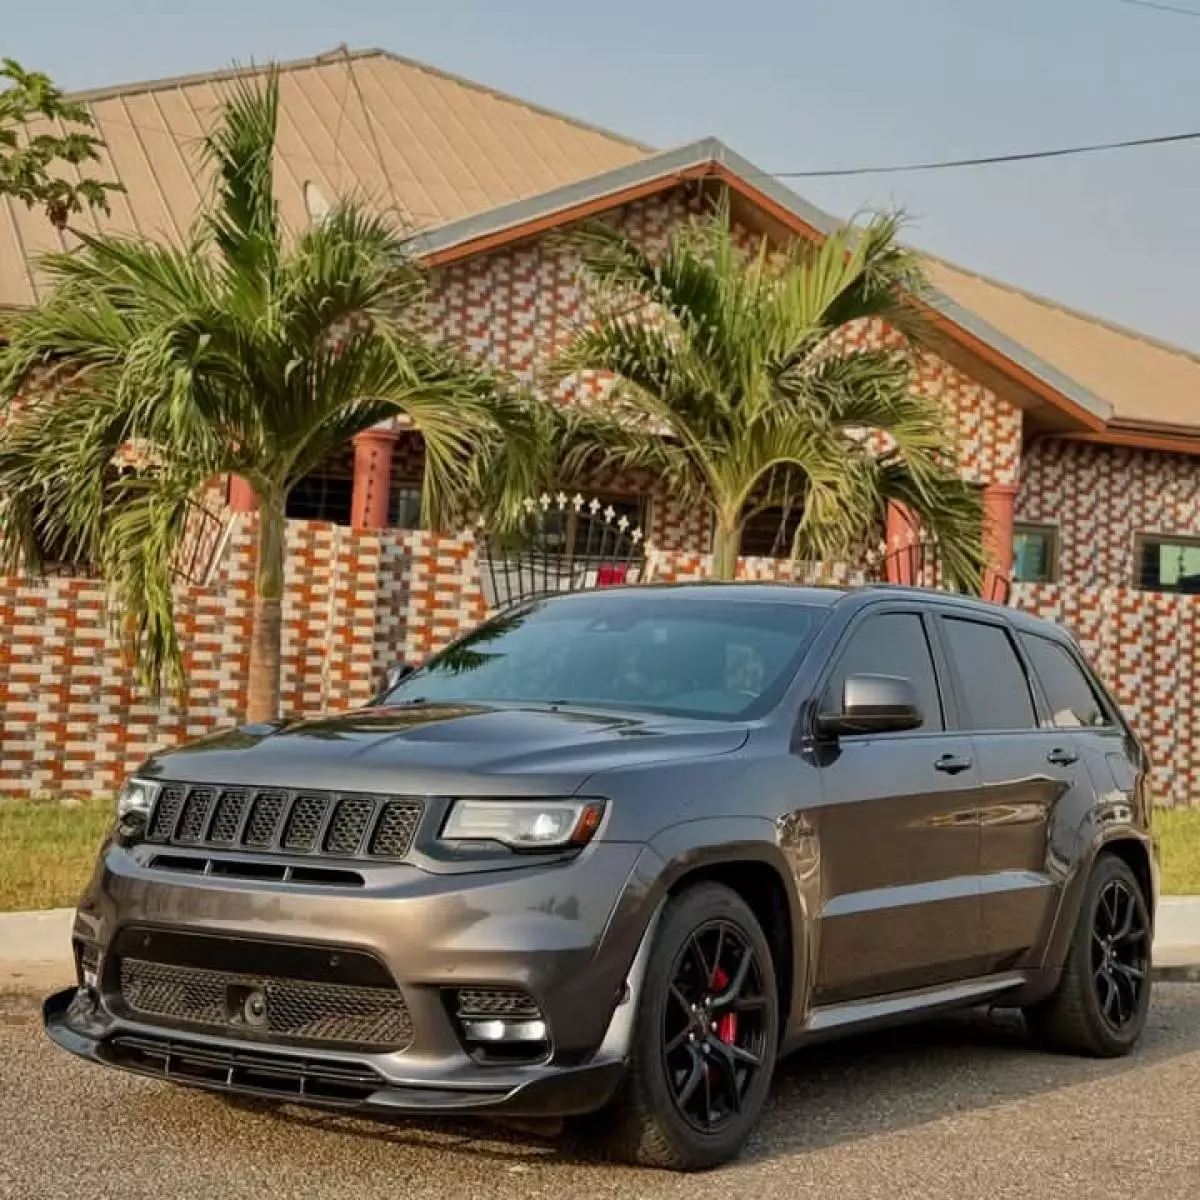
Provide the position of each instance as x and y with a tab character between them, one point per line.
1100	1005
704	1045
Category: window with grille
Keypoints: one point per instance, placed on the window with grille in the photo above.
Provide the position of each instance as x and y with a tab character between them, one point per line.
770	533
321	497
1166	563
1035	553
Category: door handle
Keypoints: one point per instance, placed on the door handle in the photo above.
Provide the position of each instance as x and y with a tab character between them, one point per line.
952	764
1058	757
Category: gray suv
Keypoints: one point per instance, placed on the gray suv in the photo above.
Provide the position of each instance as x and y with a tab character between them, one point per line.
611	854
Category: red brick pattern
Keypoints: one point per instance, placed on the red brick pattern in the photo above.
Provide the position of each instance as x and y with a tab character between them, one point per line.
357	601
1100	497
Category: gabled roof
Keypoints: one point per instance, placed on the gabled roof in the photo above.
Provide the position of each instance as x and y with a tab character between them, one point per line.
472	169
710	158
426	144
1147	383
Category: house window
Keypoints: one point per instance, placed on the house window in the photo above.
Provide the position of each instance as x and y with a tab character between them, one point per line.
320	497
404	506
770	533
1035	553
1166	563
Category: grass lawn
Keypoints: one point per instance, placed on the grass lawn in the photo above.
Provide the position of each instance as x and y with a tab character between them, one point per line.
1178	833
47	850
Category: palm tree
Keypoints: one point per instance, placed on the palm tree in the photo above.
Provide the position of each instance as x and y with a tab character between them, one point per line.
736	380
251	350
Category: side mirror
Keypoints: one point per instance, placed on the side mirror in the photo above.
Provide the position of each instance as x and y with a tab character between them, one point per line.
873	704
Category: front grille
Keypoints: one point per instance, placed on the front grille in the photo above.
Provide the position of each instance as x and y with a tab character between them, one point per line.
495	1002
329	824
325	1080
298	1010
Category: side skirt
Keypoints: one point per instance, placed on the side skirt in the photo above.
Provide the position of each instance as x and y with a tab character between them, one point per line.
834	1020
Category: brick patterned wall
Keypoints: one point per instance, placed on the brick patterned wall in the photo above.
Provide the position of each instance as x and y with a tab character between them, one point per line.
1146	645
72	720
1099	497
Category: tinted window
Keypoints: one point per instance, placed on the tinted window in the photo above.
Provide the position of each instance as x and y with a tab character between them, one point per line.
891	644
1072	700
995	690
667	652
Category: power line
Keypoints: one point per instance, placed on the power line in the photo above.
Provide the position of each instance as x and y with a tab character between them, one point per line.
1169	8
989	160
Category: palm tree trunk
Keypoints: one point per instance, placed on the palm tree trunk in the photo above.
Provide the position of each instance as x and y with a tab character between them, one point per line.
727	541
262	702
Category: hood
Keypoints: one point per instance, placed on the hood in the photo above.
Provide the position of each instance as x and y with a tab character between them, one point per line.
445	748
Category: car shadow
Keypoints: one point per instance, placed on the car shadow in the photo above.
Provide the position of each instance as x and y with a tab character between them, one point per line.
835	1093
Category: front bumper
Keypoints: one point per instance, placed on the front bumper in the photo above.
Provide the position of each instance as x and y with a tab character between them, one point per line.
571	936
78	1025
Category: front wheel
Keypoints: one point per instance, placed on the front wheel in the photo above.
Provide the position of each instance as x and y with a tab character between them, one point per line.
704	1045
1101	1002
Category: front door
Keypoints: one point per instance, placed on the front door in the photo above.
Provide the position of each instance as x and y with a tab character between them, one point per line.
897	830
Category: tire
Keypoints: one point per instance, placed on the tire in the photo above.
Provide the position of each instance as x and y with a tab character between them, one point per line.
1084	1015
645	1124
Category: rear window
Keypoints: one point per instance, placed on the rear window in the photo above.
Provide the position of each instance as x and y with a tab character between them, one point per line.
992	680
671	652
1073	700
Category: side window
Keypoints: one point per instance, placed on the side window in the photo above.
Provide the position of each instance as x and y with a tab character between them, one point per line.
891	644
1073	701
995	692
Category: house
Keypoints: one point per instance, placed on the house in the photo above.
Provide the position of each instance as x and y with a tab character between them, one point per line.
1084	437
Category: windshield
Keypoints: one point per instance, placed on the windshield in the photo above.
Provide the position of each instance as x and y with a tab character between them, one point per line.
677	653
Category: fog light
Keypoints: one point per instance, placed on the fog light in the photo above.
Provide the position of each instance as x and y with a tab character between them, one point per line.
501	1024
505	1031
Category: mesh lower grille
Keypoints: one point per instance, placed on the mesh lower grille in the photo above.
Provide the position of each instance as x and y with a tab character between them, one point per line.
309	823
496	1002
297	1010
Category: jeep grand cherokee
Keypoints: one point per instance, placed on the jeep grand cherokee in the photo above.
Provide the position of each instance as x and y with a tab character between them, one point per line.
611	854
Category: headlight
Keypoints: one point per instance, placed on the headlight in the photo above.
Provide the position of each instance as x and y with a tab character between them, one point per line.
136	797
524	824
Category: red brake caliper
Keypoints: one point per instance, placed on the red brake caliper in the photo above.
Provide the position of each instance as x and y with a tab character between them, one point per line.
727	1025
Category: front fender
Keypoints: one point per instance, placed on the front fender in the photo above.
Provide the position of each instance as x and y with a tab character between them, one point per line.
712	846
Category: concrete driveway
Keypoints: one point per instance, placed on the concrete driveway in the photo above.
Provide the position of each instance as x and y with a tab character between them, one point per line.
962	1110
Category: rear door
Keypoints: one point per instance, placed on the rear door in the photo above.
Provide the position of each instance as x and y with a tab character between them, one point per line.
1026	770
897	828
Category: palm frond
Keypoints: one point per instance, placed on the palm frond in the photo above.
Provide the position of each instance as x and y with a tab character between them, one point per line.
244	221
748	360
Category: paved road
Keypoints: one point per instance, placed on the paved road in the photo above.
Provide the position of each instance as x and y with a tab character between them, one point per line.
961	1110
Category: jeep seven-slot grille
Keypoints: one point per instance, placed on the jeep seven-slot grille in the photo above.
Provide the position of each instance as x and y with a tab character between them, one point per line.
296	1010
295	822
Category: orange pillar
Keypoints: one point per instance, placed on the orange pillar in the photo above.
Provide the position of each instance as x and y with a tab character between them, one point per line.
241	495
999	505
372	478
903	532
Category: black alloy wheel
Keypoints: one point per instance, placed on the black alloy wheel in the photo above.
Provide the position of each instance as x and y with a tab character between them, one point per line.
714	1025
705	1041
1120	953
1103	995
